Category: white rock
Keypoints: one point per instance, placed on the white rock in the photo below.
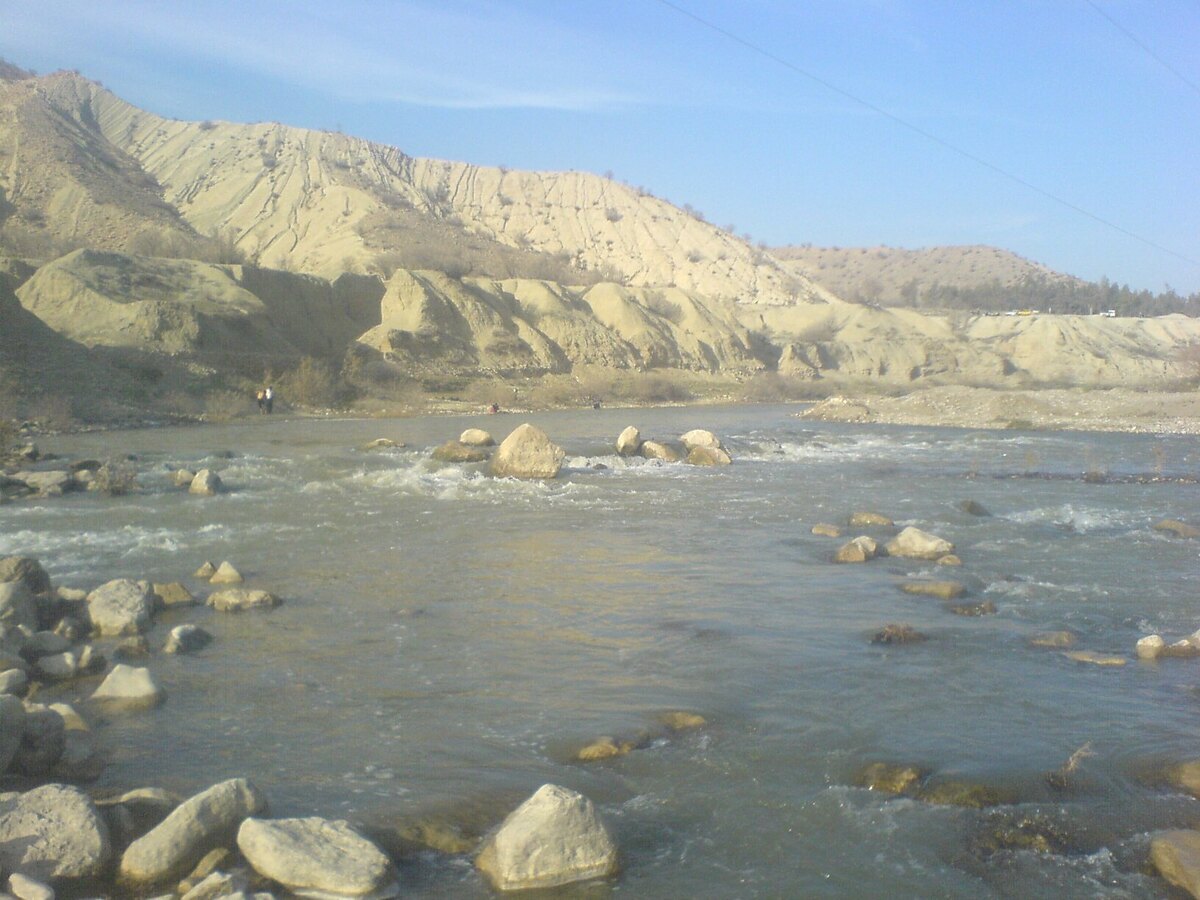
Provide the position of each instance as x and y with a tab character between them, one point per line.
53	831
659	450
183	478
698	437
206	483
121	607
555	837
25	888
913	543
629	442
527	452
226	574
129	686
476	437
200	823
13	681
324	856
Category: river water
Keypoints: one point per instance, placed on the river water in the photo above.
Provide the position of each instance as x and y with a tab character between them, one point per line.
448	641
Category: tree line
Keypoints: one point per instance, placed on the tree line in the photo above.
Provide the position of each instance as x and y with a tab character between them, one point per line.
1047	294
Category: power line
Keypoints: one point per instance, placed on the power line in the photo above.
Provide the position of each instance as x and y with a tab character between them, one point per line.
1158	59
928	135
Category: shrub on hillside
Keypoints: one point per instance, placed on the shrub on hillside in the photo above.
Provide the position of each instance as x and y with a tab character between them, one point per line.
312	383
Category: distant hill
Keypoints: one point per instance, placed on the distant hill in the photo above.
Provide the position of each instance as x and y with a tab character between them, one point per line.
972	278
149	261
892	276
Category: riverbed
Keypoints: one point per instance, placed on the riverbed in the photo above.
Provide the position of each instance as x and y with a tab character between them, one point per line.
448	641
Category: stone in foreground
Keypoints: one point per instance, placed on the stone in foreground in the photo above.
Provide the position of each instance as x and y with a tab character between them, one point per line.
1176	856
317	856
130	686
121	607
193	828
206	483
555	837
52	832
527	453
629	442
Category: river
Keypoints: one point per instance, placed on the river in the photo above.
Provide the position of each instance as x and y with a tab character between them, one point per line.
448	641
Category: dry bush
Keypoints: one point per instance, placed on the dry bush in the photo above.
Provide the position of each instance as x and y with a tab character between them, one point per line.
312	383
771	387
222	404
556	391
487	391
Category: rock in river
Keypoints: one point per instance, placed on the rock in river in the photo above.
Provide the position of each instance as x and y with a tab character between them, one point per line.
913	543
555	837
129	686
317	855
239	599
121	607
193	828
52	832
527	453
1176	856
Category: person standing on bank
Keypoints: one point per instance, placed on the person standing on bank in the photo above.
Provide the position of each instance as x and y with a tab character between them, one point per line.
269	398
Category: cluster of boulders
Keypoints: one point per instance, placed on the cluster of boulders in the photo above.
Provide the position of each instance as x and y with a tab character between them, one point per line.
527	452
30	473
697	447
217	843
204	482
669	723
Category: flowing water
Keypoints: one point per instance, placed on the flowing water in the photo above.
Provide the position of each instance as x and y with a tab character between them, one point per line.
448	641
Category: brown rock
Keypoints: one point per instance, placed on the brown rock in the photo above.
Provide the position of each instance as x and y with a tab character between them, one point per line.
943	590
864	519
986	608
826	530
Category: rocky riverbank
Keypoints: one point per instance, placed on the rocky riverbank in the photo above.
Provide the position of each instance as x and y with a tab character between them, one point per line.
1076	409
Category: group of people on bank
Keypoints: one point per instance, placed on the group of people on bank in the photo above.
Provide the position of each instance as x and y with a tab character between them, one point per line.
265	398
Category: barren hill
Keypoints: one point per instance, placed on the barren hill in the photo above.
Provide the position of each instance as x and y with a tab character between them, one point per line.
890	275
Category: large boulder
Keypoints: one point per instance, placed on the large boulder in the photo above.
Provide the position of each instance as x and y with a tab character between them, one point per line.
326	857
857	550
199	824
555	837
1176	856
698	437
913	543
49	484
205	483
121	607
27	570
52	832
629	442
17	605
527	453
42	741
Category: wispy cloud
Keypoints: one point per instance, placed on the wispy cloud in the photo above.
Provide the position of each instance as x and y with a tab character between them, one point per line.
467	55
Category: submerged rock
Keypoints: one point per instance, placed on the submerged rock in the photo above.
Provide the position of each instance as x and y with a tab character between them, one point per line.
193	828
824	529
678	720
1177	528
173	594
1096	659
974	508
960	793
53	832
317	855
458	452
897	634
1035	833
187	639
1055	639
1185	776
943	590
555	837
866	519
604	748
527	452
1176	857
206	571
985	608
240	600
380	444
857	550
890	778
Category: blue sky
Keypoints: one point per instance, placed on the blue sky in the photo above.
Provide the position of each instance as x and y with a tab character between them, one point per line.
1049	91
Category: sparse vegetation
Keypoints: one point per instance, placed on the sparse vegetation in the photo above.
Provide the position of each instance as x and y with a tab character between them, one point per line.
314	384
